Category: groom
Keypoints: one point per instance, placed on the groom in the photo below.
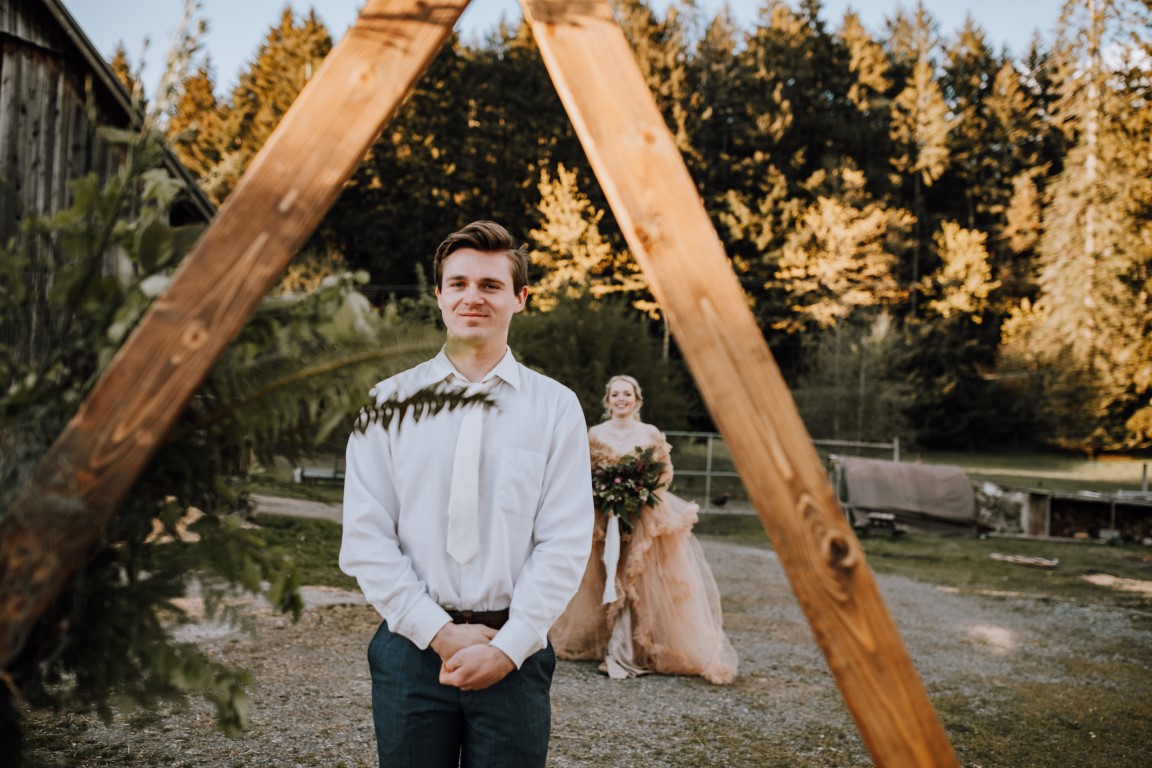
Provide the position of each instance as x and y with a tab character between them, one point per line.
469	567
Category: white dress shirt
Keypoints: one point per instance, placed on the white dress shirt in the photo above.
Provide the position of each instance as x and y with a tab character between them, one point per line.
535	509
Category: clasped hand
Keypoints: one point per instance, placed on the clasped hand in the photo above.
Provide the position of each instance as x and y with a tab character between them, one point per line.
467	661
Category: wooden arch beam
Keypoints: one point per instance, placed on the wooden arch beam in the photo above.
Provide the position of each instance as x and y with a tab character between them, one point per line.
281	199
658	207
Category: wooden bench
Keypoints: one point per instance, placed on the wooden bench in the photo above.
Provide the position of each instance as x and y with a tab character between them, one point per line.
318	474
879	522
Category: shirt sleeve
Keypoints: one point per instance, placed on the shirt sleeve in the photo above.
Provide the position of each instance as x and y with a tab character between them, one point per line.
370	548
562	533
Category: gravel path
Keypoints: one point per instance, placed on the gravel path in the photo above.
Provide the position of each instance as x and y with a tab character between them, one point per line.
311	695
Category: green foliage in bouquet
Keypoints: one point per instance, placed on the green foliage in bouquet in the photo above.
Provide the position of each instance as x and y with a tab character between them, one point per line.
622	488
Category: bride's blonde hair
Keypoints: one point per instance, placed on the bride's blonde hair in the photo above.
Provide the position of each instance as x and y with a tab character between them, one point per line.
635	388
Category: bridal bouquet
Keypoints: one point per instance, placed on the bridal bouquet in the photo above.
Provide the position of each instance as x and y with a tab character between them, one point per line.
624	487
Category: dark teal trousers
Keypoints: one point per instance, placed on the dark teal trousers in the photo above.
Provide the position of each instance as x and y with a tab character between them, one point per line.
423	724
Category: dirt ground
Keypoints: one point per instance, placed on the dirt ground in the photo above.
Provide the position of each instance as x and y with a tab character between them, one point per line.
1017	682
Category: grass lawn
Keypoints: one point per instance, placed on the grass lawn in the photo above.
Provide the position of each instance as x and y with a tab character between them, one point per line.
964	562
314	546
328	492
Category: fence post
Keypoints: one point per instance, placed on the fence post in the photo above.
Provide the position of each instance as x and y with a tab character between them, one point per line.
896	450
708	477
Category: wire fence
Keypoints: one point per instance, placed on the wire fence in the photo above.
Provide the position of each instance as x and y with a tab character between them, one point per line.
705	472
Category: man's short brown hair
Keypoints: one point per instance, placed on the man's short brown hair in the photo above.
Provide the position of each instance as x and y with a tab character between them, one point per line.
486	237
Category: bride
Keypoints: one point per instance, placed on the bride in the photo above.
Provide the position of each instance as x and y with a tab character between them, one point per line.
662	611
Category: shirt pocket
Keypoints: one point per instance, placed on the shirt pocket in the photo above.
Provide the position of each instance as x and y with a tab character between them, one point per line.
520	482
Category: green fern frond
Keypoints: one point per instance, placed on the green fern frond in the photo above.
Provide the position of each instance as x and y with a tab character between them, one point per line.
281	382
428	401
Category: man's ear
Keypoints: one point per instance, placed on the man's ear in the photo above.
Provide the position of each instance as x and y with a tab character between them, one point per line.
522	299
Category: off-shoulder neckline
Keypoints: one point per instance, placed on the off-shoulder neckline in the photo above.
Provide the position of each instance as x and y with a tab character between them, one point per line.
661	443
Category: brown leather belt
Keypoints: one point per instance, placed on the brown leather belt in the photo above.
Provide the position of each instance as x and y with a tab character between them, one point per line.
494	619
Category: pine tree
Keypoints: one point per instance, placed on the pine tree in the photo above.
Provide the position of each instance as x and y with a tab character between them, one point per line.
963	282
841	257
795	80
1021	131
712	107
285	61
400	200
516	126
1018	119
575	258
661	51
868	89
192	129
977	184
792	109
1019	236
122	68
1137	73
920	122
1089	317
569	248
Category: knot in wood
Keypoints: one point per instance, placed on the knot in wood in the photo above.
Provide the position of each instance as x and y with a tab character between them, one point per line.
194	335
839	551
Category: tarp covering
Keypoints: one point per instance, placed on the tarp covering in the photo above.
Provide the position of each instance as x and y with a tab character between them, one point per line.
925	495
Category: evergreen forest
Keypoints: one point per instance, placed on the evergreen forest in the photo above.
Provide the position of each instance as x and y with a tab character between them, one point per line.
940	241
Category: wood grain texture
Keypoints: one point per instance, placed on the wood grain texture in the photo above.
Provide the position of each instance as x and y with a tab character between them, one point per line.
277	204
659	210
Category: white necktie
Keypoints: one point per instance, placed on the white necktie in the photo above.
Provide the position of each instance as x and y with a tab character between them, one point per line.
464	499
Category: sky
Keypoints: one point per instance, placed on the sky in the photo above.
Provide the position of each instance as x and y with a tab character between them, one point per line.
236	27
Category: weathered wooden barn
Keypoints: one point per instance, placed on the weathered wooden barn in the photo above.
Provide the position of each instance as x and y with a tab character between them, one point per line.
55	91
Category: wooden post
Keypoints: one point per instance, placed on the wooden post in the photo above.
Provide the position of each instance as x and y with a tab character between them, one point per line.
659	210
278	203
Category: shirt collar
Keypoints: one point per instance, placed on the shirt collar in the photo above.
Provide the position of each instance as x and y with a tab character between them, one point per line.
508	370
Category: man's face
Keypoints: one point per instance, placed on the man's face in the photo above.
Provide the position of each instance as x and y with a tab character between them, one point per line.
476	297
